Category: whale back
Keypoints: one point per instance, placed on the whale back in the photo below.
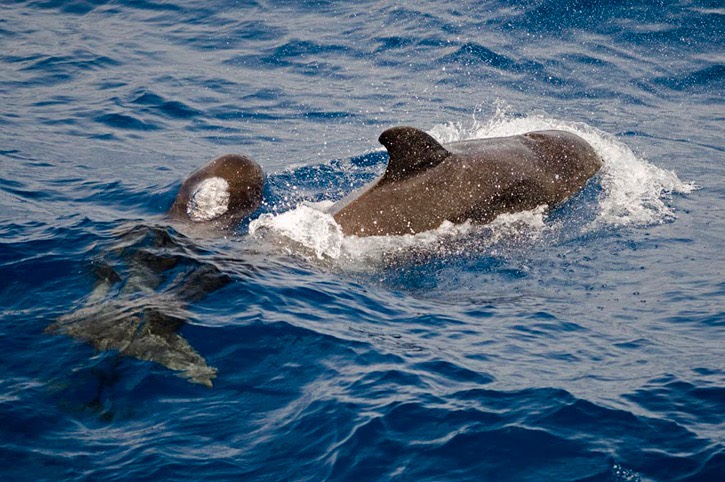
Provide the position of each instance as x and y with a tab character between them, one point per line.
411	151
476	180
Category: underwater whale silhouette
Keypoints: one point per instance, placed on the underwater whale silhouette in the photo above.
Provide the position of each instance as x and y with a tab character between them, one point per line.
145	282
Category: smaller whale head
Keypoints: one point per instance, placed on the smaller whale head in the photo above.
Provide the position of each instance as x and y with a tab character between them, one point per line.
223	192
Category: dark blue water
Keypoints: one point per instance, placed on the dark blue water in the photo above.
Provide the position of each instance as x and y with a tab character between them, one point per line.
586	343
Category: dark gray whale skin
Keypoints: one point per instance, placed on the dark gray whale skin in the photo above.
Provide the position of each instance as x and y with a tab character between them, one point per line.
426	183
245	188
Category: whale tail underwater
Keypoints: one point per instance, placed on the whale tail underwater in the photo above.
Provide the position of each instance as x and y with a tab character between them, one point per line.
425	183
146	281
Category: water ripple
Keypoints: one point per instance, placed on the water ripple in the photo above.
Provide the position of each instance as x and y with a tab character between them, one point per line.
581	346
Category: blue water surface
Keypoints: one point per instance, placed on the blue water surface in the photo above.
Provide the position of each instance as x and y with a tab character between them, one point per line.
589	351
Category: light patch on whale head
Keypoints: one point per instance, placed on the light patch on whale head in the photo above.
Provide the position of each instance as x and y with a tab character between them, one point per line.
209	200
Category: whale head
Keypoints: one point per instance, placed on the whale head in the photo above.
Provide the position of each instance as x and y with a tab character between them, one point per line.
222	193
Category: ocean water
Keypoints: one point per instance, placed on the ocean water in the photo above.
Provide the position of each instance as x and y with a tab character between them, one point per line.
582	343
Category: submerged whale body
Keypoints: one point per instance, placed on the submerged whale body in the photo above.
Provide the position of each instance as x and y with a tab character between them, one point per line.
426	183
146	281
139	302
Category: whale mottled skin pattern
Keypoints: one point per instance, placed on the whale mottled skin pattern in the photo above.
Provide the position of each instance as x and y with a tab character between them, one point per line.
426	183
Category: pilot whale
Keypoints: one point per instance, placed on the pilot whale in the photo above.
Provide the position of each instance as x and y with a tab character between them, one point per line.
426	183
221	193
147	279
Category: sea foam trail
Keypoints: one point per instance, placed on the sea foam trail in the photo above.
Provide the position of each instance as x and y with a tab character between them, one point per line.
633	192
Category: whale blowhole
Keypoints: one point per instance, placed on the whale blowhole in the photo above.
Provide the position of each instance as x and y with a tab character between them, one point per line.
209	200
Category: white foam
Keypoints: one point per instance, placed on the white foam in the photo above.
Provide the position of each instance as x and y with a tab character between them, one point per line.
308	225
310	231
634	193
209	200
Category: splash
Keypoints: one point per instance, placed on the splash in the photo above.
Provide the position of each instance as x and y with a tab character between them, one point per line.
311	231
209	200
633	192
308	226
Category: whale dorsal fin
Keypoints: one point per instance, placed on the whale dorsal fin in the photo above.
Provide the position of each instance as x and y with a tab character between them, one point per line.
411	150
